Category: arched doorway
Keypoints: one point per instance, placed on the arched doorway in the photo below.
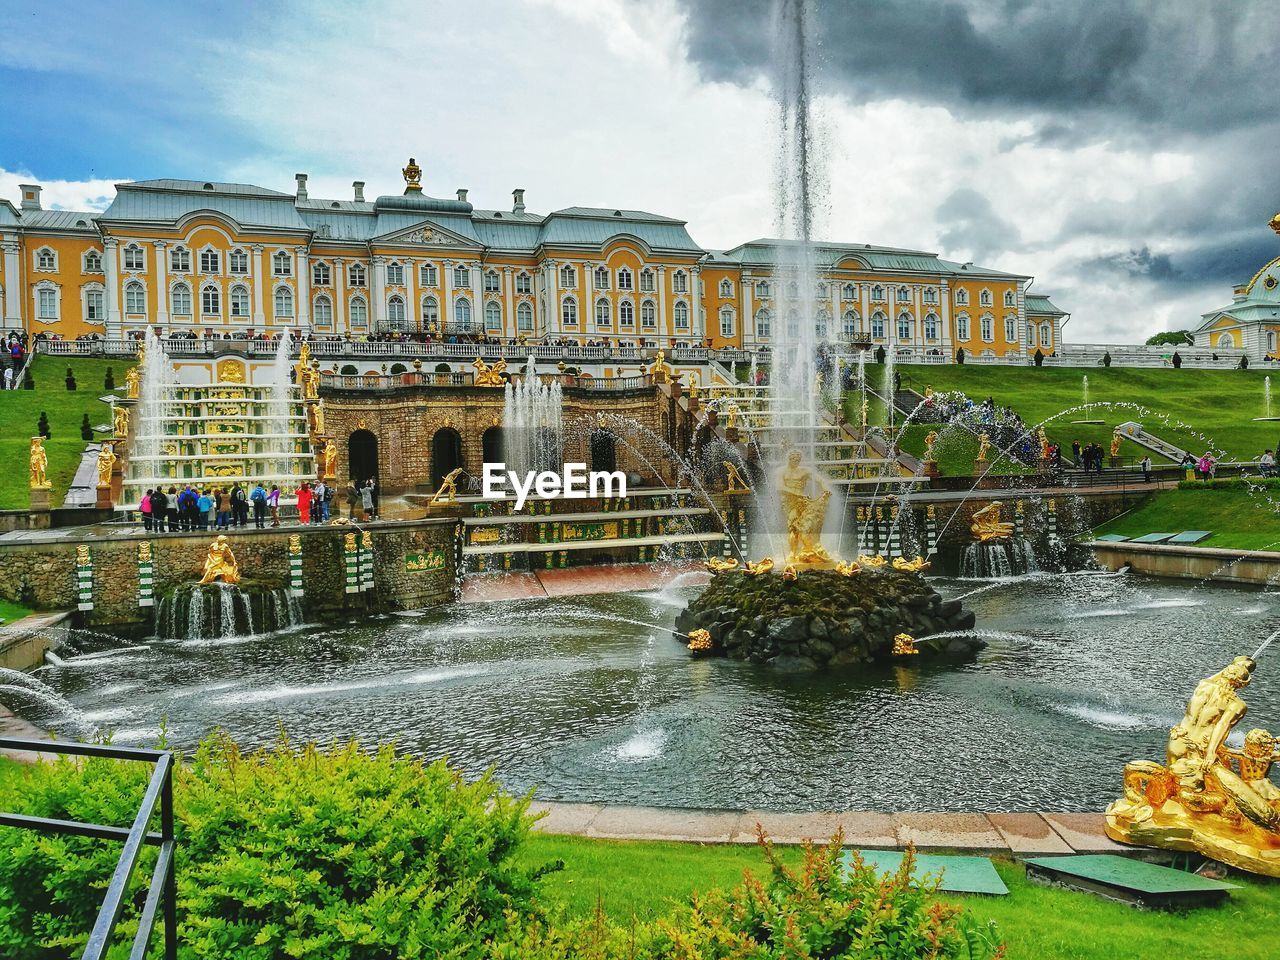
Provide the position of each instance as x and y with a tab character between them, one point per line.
446	454
494	445
362	456
604	451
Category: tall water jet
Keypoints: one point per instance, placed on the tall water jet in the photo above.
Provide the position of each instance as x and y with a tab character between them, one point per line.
281	442
1266	400
1084	394
151	414
533	422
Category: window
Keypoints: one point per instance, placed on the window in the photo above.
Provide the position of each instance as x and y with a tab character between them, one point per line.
764	290
680	282
524	317
568	276
1010	330
133	257
491	281
849	323
319	274
462	312
984	298
281	264
877	294
931	326
962	327
430	313
763	317
793	290
604	316
569	311
357	276
648	315
1271	341
358	311
904	326
682	316
930	295
238	261
962	296
180	260
646	280
135	298
987	325
395	274
492	316
239	301
211	302
624	279
904	295
1046	335
395	312
1031	337
46	260
47	303
322	311
180	300
462	281
95	309
284	302
877	325
92	262
524	283
209	261
601	278
626	314
848	292
1009	299
726	322
428	276
820	291
726	288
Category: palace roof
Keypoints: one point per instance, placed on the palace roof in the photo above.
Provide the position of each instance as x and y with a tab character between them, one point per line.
1257	301
765	252
1040	305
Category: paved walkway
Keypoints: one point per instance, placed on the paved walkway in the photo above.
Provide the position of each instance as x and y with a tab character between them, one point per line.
1011	834
84	487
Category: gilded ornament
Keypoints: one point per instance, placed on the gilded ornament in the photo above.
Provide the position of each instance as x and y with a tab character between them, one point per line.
366	539
144	551
1115	444
133	383
448	491
489	375
804	515
220	563
984	448
230	371
930	440
106	460
412	174
848	569
904	645
722	566
759	567
39	465
986	525
699	640
734	482
120	421
349	542
330	459
82	555
918	565
873	562
295	543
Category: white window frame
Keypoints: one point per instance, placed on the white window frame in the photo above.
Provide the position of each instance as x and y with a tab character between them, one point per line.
428	275
1011	329
462	314
764	290
524	282
962	326
84	261
962	297
205	268
905	322
728	322
877	294
848	291
849	323
877	325
205	290
648	315
679	282
50	292
524	315
358	310
45	260
181	287
931	326
321	275
130	287
461	278
282	294
395	274
764	323
492	282
239	295
569	311
987	328
985	299
179	259
238	262
492	315
603	312
626	280
600	278
429	312
397	316
282	264
358	276
135	258
568	276
647	282
626	314
100	292
681	314
322	310
726	288
1009	299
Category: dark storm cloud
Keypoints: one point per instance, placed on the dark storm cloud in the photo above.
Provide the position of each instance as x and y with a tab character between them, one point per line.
1235	258
1176	64
973	226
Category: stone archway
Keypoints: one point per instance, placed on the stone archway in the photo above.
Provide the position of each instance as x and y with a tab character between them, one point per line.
362	456
493	443
446	454
604	451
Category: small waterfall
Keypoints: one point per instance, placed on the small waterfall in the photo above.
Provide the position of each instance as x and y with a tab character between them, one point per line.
533	423
999	559
224	611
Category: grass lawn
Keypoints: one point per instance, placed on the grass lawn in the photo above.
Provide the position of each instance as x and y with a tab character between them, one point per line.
20	412
1238	519
9	612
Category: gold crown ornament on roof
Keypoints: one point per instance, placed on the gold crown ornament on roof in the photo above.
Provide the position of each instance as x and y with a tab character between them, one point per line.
412	177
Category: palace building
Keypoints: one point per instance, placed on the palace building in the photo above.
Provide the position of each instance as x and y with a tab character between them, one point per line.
187	255
1251	322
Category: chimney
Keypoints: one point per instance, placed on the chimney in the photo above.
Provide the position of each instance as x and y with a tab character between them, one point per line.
302	185
462	194
30	195
517	200
358	187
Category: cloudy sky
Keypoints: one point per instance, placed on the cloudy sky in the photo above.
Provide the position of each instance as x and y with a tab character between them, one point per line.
1124	153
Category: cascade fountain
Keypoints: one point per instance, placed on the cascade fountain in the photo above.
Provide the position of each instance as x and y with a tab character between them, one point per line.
1266	400
1084	393
533	422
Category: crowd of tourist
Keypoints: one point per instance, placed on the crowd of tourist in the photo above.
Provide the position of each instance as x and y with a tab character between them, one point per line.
192	508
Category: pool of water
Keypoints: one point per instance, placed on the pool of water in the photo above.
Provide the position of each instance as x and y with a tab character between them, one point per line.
1083	673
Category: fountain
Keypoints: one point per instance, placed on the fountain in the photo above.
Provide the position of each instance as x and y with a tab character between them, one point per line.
1084	393
1266	400
532	422
999	550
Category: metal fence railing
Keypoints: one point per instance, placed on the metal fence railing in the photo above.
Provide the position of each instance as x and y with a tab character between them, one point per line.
162	890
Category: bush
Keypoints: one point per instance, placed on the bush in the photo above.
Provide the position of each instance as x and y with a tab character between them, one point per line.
304	853
1251	482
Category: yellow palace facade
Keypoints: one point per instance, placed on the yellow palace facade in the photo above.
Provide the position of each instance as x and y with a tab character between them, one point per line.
186	255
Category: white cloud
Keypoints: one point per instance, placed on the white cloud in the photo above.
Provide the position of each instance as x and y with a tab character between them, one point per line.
59	194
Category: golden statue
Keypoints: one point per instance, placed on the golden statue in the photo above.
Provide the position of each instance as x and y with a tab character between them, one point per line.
660	370
699	640
39	464
1044	443
489	375
1207	797
755	569
918	565
789	572
106	460
448	491
1115	444
133	383
804	516
1275	223
317	417
309	377
847	569
120	421
984	447
722	566
731	416
928	392
330	459
734	482
220	562
904	645
986	524
866	407
412	174
930	440
873	562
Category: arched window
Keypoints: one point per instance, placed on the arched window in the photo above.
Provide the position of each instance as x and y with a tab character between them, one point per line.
877	325
848	292
877	294
320	274
648	315
988	326
395	312
726	288
793	323
962	326
357	276
430	313
793	290
763	324
568	277
930	295
180	300
210	301
1009	299
764	289
491	281
284	302
1011	329
135	298
134	259
395	274
46	260
569	312
601	278
984	298
904	295
680	282
1271	341
210	261
823	324
849	323
646	280
820	291
47	301
282	264
931	326
428	275
1046	336
904	326
462	312
92	262
358	311
238	261
604	316
95	304
180	260
524	283
239	301
322	311
962	296
1031	334
624	279
626	314
492	316
682	316
524	317
726	322
462	281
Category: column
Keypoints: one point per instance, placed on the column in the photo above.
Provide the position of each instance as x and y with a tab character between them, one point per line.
944	314
477	299
162	287
748	311
508	302
340	324
864	297
412	314
552	297
446	299
697	315
259	281
110	265
836	333
304	289
379	296
664	320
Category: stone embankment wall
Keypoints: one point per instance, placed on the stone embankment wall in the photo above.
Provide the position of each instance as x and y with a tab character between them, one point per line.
413	565
1190	563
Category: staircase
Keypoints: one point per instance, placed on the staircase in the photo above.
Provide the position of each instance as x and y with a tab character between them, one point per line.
1149	441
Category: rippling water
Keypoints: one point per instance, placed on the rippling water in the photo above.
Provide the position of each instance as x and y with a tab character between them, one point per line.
1083	673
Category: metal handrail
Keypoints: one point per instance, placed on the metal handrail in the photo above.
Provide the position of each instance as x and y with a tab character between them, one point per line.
163	885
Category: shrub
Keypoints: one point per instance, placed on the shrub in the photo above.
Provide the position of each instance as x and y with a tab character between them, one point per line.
1250	482
291	852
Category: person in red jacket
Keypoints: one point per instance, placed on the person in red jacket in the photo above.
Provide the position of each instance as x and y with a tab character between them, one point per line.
304	503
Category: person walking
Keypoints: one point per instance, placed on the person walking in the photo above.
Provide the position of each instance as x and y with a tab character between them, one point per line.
239	506
1145	463
273	502
205	512
304	503
224	508
144	508
317	501
366	500
352	496
1207	466
258	497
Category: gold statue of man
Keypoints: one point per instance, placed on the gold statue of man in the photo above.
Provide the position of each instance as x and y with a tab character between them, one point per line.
1044	444
330	459
120	421
734	482
39	464
133	383
106	460
804	515
448	491
984	447
1115	444
220	563
489	375
930	440
986	524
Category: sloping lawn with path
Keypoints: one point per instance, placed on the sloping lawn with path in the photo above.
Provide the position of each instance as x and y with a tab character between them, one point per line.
1239	519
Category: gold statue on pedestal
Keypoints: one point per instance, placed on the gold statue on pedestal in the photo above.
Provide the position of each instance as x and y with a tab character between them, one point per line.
106	460
330	456
986	524
220	563
1207	797
804	516
733	479
930	441
412	174
448	491
489	375
984	448
866	408
660	370
120	421
1115	444
133	383
39	465
1044	444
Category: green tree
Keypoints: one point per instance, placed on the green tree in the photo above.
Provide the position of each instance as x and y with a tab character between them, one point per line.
1177	338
